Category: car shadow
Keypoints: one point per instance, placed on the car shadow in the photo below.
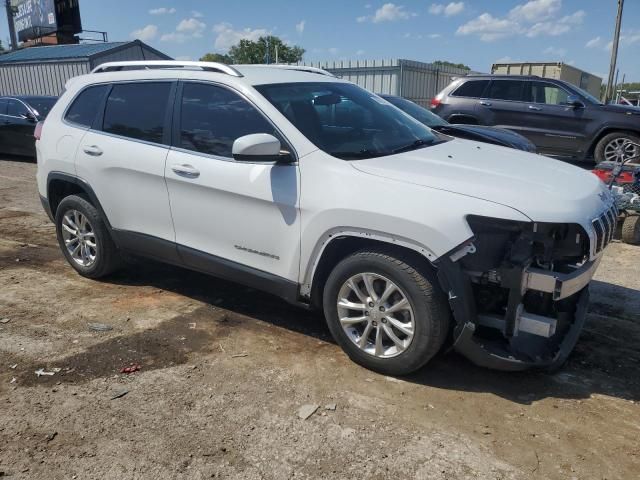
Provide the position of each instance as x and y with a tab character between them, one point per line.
599	365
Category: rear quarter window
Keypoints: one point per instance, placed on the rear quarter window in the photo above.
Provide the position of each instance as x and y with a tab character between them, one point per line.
84	109
471	88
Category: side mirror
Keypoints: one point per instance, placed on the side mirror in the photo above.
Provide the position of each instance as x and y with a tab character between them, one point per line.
257	147
574	101
29	116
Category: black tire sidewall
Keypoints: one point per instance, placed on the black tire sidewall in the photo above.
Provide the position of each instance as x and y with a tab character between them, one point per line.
80	204
423	345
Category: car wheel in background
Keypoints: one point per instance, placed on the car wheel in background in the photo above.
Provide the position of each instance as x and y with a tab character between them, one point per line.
616	146
387	314
631	230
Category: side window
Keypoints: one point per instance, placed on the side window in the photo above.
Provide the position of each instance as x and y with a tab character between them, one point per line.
472	88
543	92
3	106
506	90
137	110
85	107
16	108
212	118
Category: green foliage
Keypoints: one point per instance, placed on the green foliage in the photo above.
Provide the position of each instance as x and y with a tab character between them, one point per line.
251	52
444	63
216	57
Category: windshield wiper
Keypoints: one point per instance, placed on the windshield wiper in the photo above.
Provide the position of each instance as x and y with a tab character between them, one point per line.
356	155
413	146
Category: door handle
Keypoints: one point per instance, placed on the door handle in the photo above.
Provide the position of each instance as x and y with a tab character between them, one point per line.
92	150
187	171
533	107
485	103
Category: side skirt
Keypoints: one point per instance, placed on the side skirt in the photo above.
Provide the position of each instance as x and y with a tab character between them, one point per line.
170	252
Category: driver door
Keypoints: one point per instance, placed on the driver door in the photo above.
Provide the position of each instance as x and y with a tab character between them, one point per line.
231	217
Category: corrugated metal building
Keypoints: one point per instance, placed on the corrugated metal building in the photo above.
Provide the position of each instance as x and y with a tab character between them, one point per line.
45	70
416	81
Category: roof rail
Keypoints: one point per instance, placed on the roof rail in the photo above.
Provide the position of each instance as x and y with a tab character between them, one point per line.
166	64
300	68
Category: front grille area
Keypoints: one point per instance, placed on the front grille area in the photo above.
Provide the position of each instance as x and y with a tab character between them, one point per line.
604	227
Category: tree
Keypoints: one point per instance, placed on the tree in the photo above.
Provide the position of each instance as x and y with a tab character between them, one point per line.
216	57
249	51
444	63
1	46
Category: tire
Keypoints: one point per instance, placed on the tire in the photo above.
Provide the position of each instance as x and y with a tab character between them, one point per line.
427	307
600	153
631	230
101	259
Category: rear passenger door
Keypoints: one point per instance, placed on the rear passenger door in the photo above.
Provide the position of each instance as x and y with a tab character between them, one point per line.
503	105
122	156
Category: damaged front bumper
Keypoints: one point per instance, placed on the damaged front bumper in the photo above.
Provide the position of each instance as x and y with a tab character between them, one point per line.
510	315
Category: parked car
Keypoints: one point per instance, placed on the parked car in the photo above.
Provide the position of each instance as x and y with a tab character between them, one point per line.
479	133
559	118
18	118
292	181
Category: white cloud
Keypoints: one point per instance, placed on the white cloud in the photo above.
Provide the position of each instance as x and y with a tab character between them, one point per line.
227	37
184	58
174	37
359	53
145	34
362	19
594	42
435	35
334	50
556	52
300	26
533	18
628	38
191	26
535	10
162	11
449	10
390	12
196	14
506	59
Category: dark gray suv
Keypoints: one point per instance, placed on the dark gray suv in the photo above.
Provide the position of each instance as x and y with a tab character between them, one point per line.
559	118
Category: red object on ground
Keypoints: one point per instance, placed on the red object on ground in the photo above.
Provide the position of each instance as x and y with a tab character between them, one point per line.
133	367
605	176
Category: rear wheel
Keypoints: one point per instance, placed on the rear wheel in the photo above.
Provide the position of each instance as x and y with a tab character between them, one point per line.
387	314
617	146
631	230
84	238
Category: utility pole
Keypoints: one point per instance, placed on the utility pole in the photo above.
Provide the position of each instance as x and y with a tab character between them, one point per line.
267	58
614	53
12	28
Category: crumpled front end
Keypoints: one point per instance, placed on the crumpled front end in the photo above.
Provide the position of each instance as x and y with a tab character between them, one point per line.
519	290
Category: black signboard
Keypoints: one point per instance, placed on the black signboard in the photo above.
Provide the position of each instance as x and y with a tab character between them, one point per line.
37	18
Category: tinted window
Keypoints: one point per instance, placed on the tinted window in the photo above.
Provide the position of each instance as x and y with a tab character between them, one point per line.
85	107
16	108
506	90
3	106
416	111
212	118
137	110
472	88
542	92
42	105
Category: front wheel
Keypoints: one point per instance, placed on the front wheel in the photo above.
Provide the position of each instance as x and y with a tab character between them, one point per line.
387	314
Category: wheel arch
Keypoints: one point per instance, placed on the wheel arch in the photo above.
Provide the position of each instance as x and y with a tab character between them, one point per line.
606	131
61	185
337	244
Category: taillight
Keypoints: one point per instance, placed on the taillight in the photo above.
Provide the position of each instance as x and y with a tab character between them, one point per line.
435	102
38	131
605	176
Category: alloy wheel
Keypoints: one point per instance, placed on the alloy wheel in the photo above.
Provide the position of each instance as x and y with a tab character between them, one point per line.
376	315
79	238
619	149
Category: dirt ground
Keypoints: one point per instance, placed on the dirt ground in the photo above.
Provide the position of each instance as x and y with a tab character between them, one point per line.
226	369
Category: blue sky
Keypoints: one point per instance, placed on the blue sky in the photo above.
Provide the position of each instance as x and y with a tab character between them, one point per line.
474	32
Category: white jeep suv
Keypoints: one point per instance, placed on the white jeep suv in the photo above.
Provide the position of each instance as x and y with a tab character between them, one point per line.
292	181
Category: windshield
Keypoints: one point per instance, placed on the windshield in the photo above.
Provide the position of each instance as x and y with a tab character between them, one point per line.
347	121
421	114
42	105
587	95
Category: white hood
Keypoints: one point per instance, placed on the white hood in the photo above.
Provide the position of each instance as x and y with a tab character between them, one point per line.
543	189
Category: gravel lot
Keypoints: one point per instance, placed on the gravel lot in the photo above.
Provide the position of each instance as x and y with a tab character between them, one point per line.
225	371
